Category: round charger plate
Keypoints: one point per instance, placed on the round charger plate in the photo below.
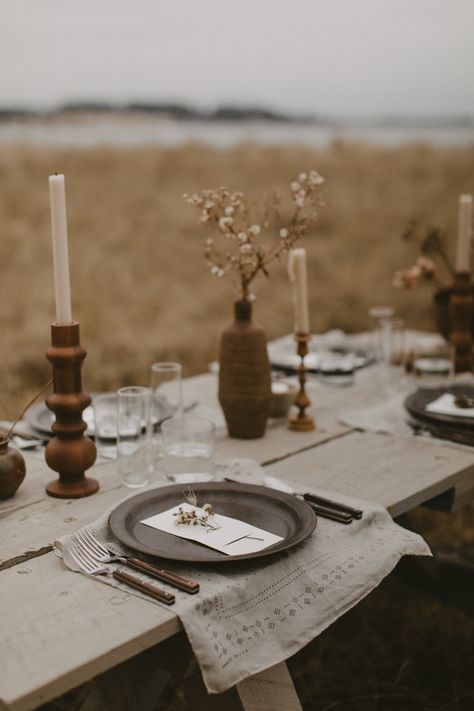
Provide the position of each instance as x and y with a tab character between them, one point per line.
41	419
271	510
416	405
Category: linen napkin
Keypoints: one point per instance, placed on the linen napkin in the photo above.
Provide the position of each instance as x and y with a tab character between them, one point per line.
445	405
247	618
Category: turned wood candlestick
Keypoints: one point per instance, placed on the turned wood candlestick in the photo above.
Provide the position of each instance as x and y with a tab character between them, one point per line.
460	308
69	452
302	422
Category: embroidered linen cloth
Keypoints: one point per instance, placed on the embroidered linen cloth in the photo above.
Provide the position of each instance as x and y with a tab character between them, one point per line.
249	617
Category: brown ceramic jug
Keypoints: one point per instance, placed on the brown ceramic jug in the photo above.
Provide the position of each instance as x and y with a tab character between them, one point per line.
12	469
245	392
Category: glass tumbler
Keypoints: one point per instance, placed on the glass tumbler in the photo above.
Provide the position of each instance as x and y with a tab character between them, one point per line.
376	314
393	351
166	401
433	366
105	425
133	436
188	449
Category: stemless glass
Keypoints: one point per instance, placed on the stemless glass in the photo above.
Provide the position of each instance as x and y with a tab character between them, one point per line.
166	401
105	425
433	365
166	387
133	436
188	449
393	352
376	315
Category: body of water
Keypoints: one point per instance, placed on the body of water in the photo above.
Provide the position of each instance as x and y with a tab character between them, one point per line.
133	131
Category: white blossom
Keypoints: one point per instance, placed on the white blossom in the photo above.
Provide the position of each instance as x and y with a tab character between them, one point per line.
244	248
302	177
242	236
295	186
225	222
255	230
284	233
229	210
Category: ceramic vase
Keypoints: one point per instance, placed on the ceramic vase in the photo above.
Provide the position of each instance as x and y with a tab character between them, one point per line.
12	470
442	312
245	391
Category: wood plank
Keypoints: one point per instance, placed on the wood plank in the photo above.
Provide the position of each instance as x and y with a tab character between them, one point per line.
270	690
60	629
397	472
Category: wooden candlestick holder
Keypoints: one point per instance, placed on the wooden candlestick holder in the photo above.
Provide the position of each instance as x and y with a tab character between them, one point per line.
302	422
69	452
460	309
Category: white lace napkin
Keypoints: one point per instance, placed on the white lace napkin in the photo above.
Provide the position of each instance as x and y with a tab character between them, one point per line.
247	618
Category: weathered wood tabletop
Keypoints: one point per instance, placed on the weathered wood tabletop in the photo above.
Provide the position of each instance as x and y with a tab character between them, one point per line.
60	629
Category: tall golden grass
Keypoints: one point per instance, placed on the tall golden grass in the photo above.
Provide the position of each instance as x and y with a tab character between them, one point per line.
141	290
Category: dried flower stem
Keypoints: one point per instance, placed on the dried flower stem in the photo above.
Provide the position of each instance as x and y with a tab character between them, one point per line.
40	392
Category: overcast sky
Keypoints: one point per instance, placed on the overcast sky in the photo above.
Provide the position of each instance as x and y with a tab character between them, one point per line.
331	56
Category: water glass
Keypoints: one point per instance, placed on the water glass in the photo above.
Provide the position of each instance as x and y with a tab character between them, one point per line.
376	315
337	368
105	425
167	392
188	449
133	436
391	337
433	367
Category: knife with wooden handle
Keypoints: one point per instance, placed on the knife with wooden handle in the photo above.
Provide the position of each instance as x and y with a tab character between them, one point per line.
166	576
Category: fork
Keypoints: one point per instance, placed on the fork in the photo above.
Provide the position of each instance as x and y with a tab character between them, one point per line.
102	554
92	567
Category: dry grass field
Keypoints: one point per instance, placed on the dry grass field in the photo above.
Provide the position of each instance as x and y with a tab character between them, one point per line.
140	287
142	293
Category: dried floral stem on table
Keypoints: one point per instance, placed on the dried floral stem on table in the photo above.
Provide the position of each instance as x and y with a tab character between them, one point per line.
245	252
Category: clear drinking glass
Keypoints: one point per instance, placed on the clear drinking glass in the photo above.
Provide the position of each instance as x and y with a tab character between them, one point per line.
432	366
166	401
336	368
391	337
188	449
376	314
105	425
133	436
167	391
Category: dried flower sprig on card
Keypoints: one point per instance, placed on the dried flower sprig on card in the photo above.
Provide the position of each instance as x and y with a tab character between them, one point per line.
251	242
191	518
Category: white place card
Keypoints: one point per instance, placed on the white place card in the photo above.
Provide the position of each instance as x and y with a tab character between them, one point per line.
445	405
231	536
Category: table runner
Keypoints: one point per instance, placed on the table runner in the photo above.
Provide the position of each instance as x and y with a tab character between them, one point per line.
249	617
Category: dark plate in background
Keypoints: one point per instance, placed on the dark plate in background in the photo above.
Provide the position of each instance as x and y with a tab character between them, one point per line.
274	511
416	405
41	419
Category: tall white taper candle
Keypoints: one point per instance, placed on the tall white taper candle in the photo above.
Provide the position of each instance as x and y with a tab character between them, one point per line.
297	273
62	289
463	252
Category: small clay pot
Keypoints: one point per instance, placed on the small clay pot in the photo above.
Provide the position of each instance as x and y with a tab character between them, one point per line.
12	469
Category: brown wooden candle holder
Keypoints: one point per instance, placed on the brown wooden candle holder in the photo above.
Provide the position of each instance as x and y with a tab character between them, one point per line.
302	422
460	309
69	452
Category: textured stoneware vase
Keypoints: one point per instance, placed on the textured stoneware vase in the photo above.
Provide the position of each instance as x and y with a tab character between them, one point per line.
245	392
12	470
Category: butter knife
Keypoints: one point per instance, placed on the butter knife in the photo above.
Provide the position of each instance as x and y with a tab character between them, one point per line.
326	506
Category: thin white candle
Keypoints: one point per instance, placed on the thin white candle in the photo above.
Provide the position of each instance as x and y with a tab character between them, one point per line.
463	252
297	273
62	290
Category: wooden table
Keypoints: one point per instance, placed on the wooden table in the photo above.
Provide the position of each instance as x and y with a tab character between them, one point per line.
59	629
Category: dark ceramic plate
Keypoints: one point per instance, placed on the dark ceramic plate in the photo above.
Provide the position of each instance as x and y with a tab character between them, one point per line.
274	511
39	417
416	405
289	362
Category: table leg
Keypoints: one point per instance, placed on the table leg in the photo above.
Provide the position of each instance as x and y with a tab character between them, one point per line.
270	690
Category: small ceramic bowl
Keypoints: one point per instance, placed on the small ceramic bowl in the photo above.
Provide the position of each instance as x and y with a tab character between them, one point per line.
283	397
